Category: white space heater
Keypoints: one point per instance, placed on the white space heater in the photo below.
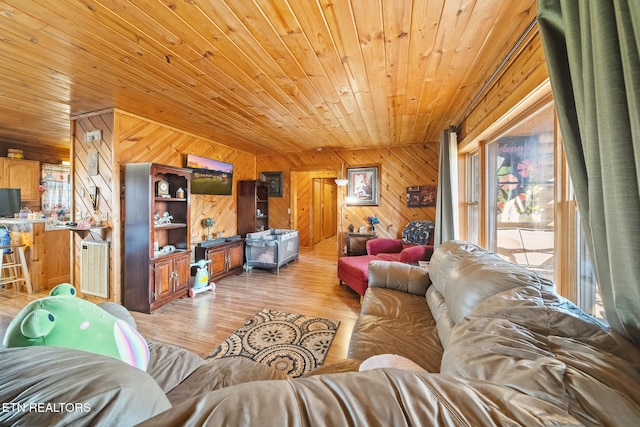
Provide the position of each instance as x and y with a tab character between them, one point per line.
94	268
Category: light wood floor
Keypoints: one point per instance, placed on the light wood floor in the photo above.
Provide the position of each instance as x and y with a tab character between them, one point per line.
309	287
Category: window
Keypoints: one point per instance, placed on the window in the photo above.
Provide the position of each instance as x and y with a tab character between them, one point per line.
519	201
473	198
520	165
56	195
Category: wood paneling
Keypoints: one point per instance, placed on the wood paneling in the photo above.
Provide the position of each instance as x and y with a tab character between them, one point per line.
141	140
127	138
107	181
525	72
262	76
400	167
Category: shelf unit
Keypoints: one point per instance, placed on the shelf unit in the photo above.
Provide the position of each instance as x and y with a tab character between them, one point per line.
157	236
253	196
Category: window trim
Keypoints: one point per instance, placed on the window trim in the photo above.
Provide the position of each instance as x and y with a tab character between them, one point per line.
565	240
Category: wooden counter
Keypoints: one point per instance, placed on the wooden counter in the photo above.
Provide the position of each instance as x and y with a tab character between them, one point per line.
47	251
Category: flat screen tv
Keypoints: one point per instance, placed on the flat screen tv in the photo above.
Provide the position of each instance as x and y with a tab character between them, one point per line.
210	176
9	202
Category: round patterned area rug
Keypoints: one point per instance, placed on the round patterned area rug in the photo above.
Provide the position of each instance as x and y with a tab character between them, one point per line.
292	343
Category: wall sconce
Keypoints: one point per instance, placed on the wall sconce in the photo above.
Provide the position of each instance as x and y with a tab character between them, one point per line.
341	182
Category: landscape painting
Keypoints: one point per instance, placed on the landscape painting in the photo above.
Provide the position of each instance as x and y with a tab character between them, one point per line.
210	176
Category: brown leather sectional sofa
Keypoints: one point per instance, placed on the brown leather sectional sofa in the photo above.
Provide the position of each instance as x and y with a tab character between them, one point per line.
493	344
476	341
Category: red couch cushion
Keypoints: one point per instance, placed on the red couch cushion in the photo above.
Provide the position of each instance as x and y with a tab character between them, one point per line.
389	256
354	272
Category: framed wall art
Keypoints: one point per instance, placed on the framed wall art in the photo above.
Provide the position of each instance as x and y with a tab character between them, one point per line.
275	180
421	195
363	187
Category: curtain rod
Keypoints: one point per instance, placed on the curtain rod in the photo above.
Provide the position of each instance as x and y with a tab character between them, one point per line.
499	68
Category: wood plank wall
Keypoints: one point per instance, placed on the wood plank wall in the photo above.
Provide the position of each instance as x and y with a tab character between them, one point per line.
106	181
144	141
526	71
127	138
400	167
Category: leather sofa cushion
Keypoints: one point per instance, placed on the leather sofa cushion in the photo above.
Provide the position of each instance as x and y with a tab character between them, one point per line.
398	276
169	365
220	373
538	343
100	389
440	313
395	321
479	275
445	258
380	397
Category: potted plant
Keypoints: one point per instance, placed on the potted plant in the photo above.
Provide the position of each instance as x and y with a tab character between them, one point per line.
208	223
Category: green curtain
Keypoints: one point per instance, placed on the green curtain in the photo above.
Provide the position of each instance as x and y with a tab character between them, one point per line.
592	48
446	222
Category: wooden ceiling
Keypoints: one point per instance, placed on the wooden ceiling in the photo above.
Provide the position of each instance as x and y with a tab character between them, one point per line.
263	76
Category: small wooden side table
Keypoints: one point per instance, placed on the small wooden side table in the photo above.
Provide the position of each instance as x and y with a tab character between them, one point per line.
357	243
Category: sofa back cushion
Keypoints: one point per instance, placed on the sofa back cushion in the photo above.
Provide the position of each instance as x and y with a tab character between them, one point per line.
440	313
544	346
398	276
480	275
446	257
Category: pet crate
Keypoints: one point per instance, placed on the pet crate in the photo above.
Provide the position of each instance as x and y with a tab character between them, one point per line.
271	249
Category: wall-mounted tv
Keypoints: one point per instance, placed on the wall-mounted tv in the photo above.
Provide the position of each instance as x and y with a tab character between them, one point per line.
9	202
210	176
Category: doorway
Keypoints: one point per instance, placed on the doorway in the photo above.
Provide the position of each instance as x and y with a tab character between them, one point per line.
314	211
324	209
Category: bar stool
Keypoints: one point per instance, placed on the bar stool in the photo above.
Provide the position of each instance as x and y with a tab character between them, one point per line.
14	272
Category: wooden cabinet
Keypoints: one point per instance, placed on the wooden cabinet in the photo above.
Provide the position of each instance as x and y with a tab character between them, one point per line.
357	243
171	277
226	258
22	174
253	206
157	236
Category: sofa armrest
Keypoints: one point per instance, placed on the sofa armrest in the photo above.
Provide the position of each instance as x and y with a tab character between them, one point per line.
413	254
384	245
398	276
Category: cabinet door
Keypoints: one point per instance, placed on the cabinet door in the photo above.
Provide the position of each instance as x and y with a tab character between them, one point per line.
236	255
182	269
163	279
218	262
22	174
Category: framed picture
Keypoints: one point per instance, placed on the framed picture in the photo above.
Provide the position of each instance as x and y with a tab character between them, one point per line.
275	180
364	186
421	195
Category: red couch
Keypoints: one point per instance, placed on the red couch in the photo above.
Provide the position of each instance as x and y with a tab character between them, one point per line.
415	245
394	250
